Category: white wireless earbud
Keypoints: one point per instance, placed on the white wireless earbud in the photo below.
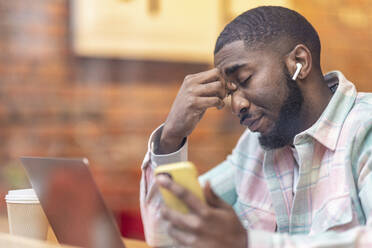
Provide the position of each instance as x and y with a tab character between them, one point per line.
298	69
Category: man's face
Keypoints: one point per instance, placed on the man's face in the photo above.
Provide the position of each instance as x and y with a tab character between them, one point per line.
263	95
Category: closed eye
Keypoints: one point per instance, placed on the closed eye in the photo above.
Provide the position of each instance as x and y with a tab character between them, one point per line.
245	82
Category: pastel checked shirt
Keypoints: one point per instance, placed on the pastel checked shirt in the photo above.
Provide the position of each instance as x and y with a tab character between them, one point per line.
330	205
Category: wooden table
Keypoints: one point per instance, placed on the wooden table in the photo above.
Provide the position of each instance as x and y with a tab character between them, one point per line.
130	243
11	241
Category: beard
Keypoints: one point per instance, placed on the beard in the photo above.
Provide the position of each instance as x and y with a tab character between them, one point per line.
288	122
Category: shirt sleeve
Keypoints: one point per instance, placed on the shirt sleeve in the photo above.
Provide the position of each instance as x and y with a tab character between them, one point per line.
362	167
221	179
150	199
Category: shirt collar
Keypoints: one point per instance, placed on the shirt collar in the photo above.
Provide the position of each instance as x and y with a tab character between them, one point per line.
327	128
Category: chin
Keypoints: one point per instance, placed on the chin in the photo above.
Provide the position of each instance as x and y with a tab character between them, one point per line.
273	141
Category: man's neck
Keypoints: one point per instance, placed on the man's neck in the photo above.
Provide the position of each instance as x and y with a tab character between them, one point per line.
317	96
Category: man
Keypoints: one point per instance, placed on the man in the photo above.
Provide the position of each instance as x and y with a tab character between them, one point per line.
300	175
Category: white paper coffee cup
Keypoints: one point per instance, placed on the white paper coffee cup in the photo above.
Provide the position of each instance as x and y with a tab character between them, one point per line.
25	215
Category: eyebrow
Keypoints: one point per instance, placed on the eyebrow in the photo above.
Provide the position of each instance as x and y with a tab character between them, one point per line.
230	70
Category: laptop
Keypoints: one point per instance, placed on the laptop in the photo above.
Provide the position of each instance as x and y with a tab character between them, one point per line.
72	202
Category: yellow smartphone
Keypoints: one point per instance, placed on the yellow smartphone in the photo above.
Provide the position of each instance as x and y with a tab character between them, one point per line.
186	175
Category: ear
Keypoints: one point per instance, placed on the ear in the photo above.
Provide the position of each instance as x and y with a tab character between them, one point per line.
300	54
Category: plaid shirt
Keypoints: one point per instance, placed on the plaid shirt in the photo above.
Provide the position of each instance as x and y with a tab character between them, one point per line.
331	204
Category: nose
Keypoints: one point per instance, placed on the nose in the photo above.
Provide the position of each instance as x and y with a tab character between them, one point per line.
239	104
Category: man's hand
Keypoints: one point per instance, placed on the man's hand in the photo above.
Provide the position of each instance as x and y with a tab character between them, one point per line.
197	93
210	225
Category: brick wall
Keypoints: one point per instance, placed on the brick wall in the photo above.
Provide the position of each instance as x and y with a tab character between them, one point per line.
345	30
56	104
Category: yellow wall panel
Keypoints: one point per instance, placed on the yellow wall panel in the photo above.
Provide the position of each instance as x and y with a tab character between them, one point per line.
180	30
183	30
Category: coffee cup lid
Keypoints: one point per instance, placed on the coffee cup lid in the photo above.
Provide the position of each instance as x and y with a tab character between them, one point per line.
21	196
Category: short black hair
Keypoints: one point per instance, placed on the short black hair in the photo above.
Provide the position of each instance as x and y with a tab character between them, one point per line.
267	24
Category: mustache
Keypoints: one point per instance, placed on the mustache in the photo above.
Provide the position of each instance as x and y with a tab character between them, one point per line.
244	116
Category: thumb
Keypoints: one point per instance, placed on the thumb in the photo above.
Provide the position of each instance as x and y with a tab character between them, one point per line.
212	199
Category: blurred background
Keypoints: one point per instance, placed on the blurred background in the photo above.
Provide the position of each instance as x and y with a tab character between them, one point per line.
93	78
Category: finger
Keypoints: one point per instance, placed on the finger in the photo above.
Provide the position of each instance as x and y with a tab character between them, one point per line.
181	237
215	88
207	76
227	100
186	222
213	199
224	85
221	105
231	86
192	202
209	102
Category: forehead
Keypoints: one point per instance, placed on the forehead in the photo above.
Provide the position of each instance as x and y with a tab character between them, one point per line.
236	54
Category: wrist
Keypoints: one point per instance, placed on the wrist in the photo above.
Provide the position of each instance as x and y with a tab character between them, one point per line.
169	144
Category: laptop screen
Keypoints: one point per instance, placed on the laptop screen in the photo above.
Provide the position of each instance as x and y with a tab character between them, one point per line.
72	202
